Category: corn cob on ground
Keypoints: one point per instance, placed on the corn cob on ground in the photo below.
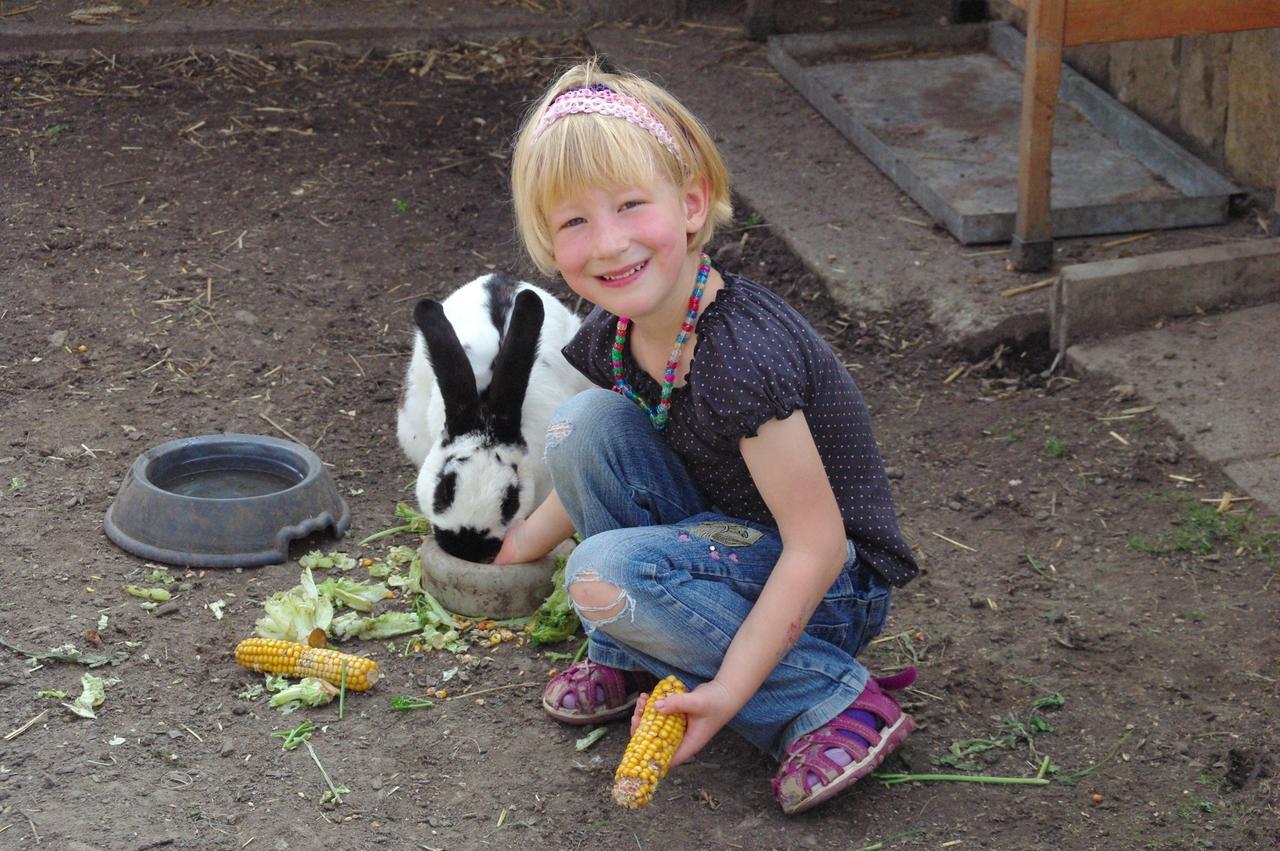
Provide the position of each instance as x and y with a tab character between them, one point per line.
273	656
649	753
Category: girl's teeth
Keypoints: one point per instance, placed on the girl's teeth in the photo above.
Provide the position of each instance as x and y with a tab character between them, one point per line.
630	271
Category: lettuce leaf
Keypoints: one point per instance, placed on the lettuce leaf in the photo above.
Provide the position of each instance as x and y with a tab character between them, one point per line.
292	615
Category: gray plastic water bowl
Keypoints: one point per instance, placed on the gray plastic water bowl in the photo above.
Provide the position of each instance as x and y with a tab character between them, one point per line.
495	591
224	500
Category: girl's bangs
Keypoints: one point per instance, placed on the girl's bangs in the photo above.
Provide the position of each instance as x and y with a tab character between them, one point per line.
588	151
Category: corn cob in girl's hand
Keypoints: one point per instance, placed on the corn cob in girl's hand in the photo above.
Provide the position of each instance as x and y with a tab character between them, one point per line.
649	753
273	656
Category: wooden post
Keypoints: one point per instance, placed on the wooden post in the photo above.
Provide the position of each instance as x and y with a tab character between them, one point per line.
1032	247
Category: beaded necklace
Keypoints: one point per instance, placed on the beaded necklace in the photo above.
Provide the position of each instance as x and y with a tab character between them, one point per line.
658	416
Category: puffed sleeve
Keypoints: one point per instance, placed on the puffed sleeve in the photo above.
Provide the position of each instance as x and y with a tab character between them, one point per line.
747	372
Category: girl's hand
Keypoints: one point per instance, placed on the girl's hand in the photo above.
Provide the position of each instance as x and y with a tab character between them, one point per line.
531	538
709	707
510	551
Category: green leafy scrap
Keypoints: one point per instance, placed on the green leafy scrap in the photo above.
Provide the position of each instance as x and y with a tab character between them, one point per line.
555	620
316	560
292	615
309	691
414	523
361	596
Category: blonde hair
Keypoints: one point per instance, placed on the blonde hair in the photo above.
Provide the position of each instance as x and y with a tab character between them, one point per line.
582	151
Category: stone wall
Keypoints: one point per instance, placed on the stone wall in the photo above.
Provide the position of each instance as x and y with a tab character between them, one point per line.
1217	95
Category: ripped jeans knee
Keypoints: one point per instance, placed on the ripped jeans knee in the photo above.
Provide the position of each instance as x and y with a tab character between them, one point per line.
598	601
604	578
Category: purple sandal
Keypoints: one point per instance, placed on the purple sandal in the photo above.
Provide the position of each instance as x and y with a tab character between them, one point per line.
587	692
821	764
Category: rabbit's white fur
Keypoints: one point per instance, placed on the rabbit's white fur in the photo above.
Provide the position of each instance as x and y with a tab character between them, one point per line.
485	471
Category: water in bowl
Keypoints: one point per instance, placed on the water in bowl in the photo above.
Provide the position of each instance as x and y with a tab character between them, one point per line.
222	477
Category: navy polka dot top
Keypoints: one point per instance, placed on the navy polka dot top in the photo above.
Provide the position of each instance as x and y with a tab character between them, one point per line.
758	359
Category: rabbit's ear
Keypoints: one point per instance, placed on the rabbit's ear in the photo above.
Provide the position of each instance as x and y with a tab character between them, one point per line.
452	369
512	366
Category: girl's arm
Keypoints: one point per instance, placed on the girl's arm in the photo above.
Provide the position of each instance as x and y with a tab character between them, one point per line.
787	470
538	534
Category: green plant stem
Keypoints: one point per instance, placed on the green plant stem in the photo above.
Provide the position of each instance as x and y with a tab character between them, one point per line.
891	779
1044	768
337	799
1073	776
385	533
296	736
582	651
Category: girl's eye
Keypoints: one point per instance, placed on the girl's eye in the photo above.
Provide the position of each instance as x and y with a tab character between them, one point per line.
628	205
574	222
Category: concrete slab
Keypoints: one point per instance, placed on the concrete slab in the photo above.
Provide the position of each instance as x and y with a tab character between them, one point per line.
1111	296
943	121
1214	380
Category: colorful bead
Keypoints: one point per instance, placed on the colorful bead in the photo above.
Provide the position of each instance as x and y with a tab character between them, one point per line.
658	414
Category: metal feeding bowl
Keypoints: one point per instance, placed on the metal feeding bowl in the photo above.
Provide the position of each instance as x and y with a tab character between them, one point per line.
495	591
224	500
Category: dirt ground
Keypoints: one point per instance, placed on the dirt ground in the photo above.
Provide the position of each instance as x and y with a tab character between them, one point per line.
229	241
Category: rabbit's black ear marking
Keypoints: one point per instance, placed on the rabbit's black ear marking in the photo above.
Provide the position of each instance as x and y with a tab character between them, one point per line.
512	366
446	488
500	291
452	369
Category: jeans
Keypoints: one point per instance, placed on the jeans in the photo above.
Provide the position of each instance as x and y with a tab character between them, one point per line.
689	574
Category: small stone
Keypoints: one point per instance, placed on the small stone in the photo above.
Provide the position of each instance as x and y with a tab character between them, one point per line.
892	473
58	338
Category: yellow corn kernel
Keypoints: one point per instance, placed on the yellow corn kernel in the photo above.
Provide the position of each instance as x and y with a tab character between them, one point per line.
650	750
273	656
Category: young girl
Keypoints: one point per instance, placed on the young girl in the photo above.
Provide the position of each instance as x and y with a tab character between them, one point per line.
738	530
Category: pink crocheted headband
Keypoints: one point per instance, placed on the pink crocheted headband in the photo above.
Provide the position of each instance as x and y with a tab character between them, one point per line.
603	100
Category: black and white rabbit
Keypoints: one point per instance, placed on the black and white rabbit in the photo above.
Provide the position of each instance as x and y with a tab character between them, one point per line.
485	377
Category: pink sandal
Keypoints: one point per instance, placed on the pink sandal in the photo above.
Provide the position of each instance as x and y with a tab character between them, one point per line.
590	693
812	771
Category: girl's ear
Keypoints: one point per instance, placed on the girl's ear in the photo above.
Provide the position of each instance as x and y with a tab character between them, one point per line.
697	203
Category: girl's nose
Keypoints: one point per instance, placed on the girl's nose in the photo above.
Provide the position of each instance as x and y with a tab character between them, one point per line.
611	239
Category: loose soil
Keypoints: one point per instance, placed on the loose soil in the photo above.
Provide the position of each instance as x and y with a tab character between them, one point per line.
215	242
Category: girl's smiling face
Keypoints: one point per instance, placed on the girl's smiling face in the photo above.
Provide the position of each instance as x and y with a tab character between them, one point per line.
627	249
